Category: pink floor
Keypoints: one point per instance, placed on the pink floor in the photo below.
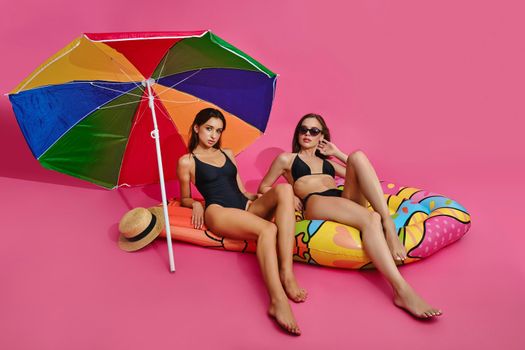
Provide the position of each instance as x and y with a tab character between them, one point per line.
431	91
66	285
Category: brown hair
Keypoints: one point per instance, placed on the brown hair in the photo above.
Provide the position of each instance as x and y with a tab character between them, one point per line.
202	117
296	147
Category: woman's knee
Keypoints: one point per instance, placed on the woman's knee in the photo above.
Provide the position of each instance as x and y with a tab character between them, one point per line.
357	157
284	191
373	221
268	231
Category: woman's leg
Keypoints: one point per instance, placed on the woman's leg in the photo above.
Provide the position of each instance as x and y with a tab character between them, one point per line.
361	184
279	200
350	213
239	224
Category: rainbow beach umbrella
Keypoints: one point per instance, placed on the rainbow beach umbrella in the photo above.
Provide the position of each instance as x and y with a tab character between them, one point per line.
103	106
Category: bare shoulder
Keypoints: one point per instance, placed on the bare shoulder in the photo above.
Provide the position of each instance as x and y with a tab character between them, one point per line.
185	161
229	152
285	159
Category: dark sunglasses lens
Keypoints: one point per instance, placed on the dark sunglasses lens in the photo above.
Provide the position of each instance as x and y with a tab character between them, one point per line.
314	131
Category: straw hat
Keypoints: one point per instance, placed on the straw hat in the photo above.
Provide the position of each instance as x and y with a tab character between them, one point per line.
139	227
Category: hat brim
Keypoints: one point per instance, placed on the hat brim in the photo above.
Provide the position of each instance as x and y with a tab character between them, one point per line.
128	246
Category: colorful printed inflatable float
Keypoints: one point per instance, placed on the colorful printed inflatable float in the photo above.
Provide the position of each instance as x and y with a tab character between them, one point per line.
425	221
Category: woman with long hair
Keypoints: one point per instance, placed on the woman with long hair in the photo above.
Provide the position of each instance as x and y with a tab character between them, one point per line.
312	175
233	213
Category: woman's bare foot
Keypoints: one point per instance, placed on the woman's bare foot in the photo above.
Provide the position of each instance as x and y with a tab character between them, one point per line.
397	249
292	289
406	298
282	312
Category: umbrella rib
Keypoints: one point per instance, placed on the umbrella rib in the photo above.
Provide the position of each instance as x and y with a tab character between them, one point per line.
118	66
163	63
137	84
162	110
115	90
120	104
166	115
179	82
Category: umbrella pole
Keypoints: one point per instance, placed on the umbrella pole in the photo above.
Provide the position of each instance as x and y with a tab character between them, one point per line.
155	135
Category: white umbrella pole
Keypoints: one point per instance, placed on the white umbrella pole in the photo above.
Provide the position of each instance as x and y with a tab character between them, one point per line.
155	135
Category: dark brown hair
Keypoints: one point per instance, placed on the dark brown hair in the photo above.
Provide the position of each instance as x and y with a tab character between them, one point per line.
202	117
296	147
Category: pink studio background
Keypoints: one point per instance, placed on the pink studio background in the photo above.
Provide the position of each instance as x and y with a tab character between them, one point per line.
431	91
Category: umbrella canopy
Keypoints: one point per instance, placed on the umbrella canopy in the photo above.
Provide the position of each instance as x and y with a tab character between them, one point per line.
91	110
87	111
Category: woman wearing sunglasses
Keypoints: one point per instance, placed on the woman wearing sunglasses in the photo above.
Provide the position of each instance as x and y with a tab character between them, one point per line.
232	212
312	175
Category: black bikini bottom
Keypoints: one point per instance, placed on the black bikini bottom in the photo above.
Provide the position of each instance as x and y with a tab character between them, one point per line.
333	192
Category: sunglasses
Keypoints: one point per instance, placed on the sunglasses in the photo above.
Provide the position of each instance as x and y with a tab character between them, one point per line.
303	130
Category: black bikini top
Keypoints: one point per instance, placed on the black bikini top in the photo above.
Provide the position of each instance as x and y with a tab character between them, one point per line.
300	168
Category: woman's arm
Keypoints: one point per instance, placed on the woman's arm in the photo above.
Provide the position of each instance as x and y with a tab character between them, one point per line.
277	169
339	169
250	196
183	173
328	148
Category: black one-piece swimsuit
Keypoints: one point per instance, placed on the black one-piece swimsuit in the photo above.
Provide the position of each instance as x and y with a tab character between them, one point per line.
218	185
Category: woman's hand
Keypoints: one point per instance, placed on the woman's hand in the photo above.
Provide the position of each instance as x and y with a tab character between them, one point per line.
252	196
327	148
197	215
298	203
